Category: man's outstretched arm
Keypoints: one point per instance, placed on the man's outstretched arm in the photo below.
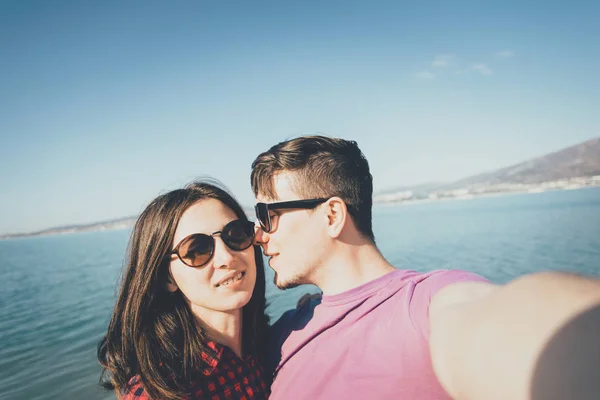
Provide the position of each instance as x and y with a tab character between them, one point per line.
537	337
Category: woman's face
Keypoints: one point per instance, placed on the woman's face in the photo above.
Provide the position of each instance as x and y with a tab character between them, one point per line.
226	282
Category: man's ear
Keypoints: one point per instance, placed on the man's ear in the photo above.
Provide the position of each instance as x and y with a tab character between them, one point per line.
336	214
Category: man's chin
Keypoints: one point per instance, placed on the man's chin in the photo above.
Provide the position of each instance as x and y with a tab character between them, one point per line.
283	284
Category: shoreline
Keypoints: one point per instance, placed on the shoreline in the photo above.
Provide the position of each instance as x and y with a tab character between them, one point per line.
124	224
479	195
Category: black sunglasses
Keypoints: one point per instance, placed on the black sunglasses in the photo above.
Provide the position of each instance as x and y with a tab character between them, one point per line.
197	249
262	209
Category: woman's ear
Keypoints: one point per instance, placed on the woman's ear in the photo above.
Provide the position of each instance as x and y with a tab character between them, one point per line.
170	285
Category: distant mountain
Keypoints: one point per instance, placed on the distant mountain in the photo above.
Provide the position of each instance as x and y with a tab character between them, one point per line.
581	160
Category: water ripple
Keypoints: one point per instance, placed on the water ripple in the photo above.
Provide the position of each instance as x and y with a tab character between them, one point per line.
57	292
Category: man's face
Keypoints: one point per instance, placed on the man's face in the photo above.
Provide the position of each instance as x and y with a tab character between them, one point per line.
296	244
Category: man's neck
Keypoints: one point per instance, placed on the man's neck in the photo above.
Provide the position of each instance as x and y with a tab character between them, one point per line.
350	266
222	327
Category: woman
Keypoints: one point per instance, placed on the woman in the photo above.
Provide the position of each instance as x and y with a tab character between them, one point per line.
189	320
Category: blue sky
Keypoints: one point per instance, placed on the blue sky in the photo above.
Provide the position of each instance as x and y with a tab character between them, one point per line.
107	104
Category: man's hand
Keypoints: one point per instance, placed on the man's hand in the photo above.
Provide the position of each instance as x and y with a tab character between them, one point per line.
501	342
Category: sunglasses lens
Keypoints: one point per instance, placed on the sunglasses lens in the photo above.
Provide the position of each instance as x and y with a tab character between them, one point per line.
197	249
262	214
238	234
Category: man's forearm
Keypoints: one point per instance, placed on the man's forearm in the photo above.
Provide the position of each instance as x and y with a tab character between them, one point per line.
504	345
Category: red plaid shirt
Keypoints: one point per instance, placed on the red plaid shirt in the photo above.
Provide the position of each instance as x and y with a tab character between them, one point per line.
228	377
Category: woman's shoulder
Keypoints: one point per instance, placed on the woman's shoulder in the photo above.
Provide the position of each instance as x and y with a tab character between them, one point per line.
134	390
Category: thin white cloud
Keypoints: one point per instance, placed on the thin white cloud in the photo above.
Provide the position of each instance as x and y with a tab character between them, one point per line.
426	75
504	54
481	68
443	60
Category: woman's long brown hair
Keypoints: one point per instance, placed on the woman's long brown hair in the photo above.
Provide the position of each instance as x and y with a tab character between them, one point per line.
152	333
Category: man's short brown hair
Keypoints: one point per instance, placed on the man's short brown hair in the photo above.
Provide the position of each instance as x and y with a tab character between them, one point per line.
323	167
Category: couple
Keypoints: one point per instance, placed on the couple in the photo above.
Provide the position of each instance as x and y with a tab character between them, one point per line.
189	321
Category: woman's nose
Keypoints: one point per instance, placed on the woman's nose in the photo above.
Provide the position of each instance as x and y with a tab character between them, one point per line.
260	236
224	256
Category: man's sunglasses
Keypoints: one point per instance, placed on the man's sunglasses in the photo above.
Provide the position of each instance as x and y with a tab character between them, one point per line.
197	249
264	218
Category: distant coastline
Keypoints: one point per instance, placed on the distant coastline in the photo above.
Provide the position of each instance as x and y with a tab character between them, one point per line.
478	196
575	167
116	224
475	191
110	225
387	199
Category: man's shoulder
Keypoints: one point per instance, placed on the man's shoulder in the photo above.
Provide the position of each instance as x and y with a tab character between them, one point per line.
425	286
436	279
297	316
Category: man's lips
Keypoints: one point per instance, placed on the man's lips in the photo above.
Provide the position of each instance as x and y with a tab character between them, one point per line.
271	260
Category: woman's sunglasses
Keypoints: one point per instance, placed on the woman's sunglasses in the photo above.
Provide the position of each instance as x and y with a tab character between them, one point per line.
197	249
264	217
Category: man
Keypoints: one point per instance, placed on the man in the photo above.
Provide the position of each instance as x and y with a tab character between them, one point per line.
379	332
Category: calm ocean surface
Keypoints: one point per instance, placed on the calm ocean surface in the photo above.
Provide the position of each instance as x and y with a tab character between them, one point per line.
57	292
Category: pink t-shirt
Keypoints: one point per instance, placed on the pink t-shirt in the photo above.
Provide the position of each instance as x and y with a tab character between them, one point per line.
370	342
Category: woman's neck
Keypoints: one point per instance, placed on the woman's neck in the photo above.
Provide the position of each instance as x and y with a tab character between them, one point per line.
223	327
